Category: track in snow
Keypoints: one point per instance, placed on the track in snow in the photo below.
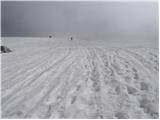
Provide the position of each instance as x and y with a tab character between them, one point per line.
45	78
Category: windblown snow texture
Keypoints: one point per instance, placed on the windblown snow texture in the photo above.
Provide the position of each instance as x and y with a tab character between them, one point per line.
59	78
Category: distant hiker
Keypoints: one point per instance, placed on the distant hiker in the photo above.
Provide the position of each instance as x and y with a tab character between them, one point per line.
50	36
71	38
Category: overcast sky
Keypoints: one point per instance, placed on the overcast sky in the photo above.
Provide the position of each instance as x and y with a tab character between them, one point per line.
83	20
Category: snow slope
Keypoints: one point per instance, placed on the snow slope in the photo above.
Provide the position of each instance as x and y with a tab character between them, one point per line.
58	78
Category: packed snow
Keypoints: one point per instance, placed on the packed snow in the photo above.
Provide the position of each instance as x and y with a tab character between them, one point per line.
60	78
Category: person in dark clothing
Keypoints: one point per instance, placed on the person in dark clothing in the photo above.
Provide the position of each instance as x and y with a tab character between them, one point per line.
71	38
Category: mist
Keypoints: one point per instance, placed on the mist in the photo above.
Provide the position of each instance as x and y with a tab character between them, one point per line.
80	60
127	22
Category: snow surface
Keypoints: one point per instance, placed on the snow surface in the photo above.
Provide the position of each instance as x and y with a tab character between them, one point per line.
59	78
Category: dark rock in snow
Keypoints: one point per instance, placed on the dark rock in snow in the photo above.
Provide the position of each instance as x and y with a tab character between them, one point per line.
5	49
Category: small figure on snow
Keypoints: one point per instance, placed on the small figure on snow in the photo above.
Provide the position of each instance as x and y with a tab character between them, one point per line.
71	38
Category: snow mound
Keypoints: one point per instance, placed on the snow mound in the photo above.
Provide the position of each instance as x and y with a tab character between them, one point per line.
57	78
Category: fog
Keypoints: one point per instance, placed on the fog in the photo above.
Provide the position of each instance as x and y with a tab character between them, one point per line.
132	22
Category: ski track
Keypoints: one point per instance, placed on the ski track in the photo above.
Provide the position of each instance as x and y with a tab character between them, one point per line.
73	80
30	70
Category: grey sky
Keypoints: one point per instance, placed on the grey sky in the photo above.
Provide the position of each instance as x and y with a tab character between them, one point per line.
84	20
